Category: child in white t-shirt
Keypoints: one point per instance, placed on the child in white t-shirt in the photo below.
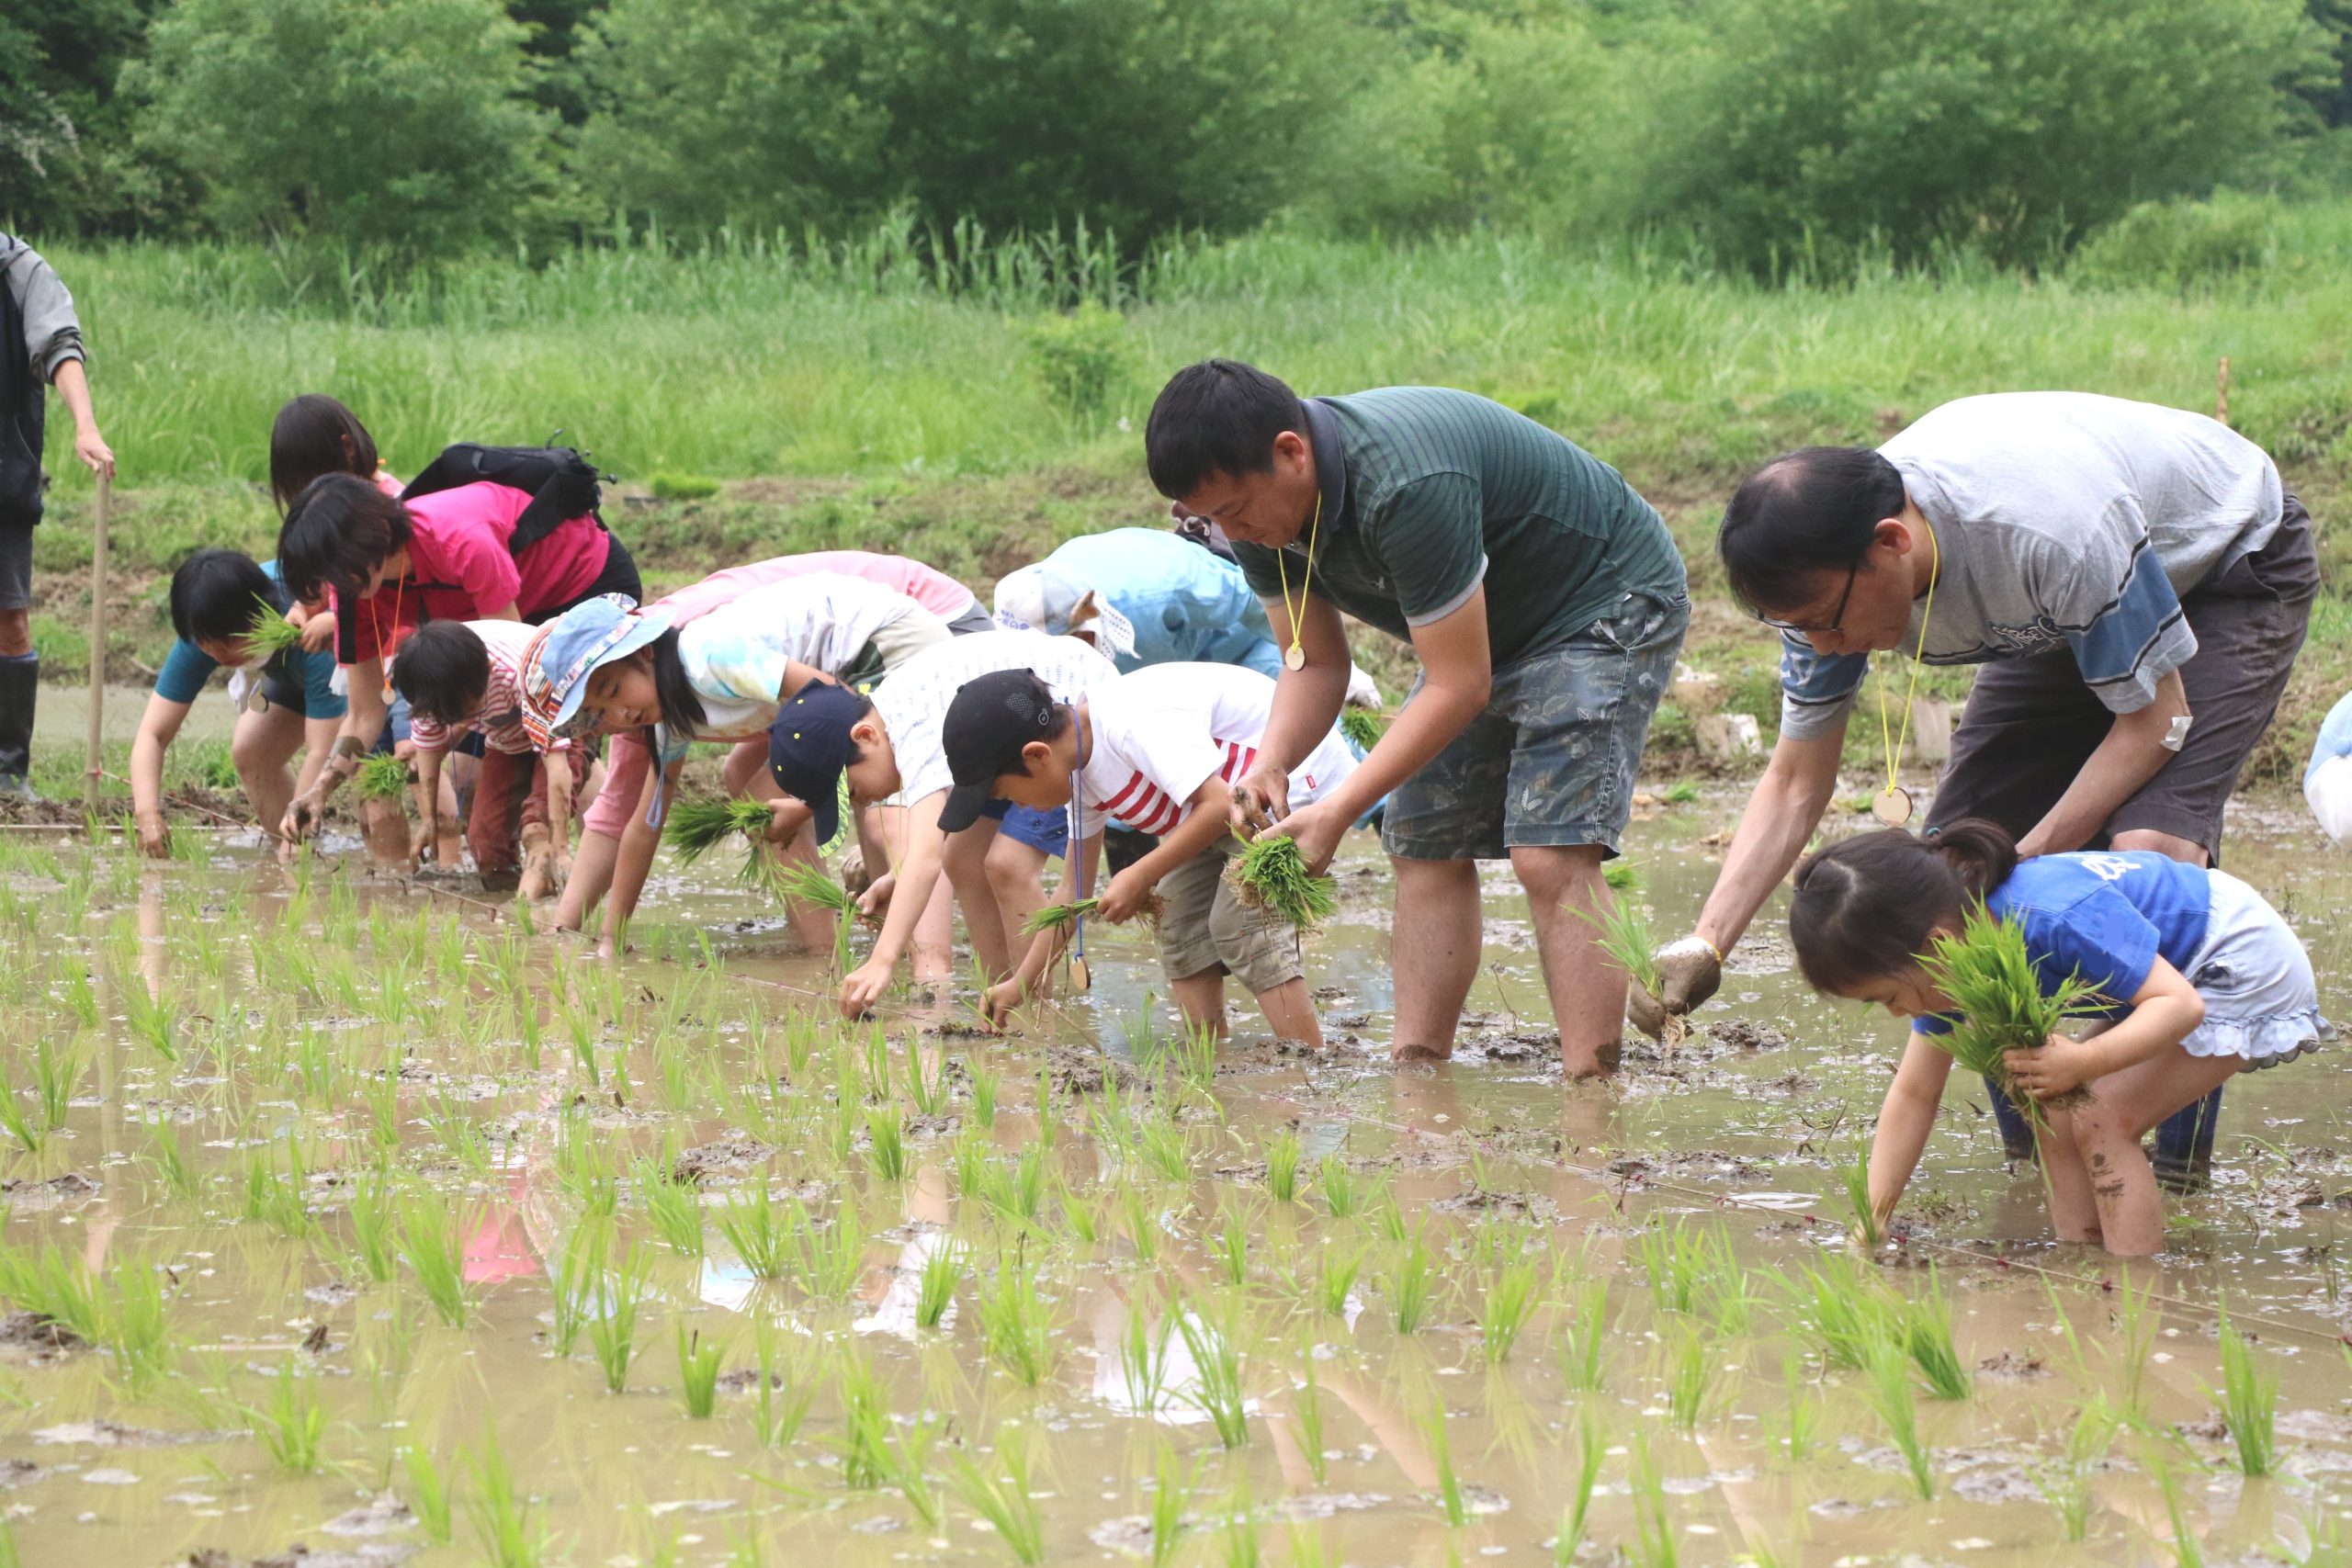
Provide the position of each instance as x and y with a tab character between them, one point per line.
1156	751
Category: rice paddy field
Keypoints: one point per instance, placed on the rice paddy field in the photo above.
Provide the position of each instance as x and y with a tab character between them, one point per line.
350	1212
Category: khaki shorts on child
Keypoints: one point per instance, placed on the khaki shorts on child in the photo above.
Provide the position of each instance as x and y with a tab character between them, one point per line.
1205	926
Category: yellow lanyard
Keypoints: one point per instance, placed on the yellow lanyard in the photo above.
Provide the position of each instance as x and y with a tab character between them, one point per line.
1893	807
1294	656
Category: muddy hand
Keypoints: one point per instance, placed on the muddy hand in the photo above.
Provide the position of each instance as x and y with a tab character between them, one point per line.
1688	972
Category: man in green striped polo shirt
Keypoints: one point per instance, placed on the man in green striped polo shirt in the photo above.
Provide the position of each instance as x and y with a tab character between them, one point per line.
1547	602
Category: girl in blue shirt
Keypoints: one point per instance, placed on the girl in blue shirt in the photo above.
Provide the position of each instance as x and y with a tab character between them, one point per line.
2203	978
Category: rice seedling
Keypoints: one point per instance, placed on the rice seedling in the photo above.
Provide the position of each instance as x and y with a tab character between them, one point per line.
1688	1376
1681	792
886	1131
2066	1483
154	1022
30	1134
612	1326
1217	1361
696	825
697	1374
1336	1179
799	882
1363	727
1802	1412
57	1073
1057	917
1452	1501
1170	1489
1512	1296
1161	1142
1927	1335
1583	1331
572	1284
986	1082
432	1245
1890	1392
1143	1357
1078	1215
1271	872
1624	936
292	1425
426	1493
280	1201
1229	1248
829	1259
1857	1175
1845	1315
1016	1327
1306	1410
2136	1329
138	1333
1576	1515
1653	1544
777	1417
269	634
674	1208
2249	1401
1335	1279
1244	1547
1282	1165
382	777
1996	995
1004	1501
1412	1280
2187	1552
927	1088
1679	1261
505	1524
754	1227
943	1269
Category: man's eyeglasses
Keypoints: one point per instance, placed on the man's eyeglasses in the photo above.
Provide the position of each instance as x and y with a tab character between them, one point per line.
1837	617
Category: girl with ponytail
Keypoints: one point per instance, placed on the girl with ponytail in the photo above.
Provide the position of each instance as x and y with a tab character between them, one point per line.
2201	977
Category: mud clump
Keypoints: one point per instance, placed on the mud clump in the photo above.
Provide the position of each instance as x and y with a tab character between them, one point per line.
1742	1034
723	1157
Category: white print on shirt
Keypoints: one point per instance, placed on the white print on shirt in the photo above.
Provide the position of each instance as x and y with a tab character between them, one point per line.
2107	868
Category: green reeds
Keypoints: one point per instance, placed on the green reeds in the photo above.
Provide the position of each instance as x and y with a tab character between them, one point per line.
1927	1338
1688	1379
1271	872
1890	1392
1171	1488
2249	1401
612	1326
1450	1499
754	1227
885	1148
1004	1501
1054	917
510	1534
943	1269
697	1374
674	1208
1857	1175
1363	727
426	1493
697	824
1334	1280
1989	978
1336	1179
1583	1335
2066	1483
1512	1296
1016	1327
382	777
1281	1165
1577	1512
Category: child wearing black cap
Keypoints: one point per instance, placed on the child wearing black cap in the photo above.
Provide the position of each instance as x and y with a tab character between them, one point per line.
889	744
1156	751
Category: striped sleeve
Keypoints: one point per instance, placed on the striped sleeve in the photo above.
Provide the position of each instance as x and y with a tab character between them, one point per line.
1816	689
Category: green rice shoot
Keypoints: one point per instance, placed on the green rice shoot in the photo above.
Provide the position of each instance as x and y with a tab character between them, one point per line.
1363	727
1272	871
1055	917
697	824
270	634
1989	977
1625	939
382	777
811	884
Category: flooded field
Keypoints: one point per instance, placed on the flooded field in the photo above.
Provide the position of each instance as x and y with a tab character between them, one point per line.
351	1215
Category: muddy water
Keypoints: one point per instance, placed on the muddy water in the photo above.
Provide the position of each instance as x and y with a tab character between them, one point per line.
342	1043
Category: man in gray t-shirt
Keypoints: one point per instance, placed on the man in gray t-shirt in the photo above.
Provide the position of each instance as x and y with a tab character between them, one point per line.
41	346
2135	579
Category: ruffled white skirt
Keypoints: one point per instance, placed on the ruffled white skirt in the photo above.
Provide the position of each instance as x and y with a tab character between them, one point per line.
2261	1001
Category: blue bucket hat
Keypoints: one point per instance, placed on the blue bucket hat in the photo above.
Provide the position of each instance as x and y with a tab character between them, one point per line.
557	664
809	745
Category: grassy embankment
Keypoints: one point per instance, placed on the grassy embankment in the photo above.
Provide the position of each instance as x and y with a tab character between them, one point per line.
855	402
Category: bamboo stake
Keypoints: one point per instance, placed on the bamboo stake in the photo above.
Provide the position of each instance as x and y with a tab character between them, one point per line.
98	643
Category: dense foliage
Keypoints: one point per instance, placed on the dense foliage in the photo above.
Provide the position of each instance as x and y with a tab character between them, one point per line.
1768	133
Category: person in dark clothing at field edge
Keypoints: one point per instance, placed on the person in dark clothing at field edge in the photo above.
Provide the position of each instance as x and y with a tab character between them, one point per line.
1547	602
36	317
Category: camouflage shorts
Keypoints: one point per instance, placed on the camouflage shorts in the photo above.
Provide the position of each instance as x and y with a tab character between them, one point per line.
1552	758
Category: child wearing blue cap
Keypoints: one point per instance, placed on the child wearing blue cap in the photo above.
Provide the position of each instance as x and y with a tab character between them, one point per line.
608	666
1156	751
889	744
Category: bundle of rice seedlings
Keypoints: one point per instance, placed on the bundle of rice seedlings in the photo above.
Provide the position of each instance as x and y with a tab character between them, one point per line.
1054	917
270	633
811	884
1988	975
697	823
382	777
1362	726
1272	873
1625	938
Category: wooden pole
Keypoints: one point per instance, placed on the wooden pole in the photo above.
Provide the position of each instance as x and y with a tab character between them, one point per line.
2221	390
97	644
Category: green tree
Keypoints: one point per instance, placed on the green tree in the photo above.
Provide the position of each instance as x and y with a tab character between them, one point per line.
1141	115
63	136
399	125
1821	129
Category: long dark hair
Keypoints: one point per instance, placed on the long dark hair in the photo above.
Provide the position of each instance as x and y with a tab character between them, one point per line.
1864	907
340	528
315	435
1804	513
681	709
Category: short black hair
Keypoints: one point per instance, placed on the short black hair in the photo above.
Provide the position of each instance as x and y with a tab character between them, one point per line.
339	529
1220	416
1806	512
315	435
217	593
442	670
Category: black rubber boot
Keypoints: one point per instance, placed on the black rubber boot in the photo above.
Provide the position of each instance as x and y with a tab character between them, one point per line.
20	686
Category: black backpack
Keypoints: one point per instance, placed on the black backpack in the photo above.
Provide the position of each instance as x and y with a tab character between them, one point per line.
561	481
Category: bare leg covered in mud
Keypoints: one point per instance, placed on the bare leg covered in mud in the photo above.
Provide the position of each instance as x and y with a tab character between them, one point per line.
1289	1009
2102	1189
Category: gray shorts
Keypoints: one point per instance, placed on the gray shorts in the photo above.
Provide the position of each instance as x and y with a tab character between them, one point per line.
1551	761
2031	724
1205	927
16	568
